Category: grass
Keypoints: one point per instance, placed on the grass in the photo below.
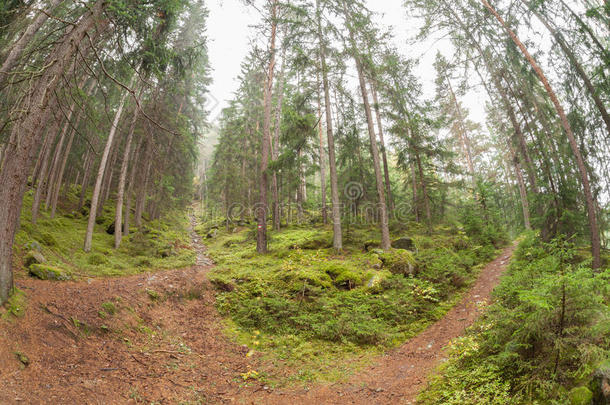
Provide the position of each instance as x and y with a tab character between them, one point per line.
322	314
160	244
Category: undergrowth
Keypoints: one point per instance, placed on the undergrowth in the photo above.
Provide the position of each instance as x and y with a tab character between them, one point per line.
542	339
159	244
322	313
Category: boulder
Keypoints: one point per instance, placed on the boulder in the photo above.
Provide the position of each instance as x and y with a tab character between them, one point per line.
404	243
45	272
33	245
34	257
398	261
371	244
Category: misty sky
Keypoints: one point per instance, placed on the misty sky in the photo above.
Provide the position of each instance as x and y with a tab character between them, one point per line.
229	33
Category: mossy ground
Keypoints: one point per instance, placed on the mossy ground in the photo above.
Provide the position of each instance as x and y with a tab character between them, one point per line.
324	314
160	244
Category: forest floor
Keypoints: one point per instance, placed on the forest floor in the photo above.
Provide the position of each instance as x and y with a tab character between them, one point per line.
157	338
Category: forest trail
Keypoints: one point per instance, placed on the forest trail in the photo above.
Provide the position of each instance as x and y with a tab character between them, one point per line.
164	346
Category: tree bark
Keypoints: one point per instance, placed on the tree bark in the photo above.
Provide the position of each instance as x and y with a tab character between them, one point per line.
322	157
24	140
43	178
584	175
276	145
132	176
261	234
118	217
97	189
332	163
384	155
383	213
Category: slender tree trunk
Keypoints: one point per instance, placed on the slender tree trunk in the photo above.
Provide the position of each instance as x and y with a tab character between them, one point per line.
25	138
424	190
322	157
415	196
44	173
97	189
132	176
584	175
277	219
261	235
383	213
332	163
521	184
384	155
118	217
89	161
142	191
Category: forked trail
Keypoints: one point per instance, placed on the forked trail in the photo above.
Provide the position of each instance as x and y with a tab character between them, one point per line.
165	345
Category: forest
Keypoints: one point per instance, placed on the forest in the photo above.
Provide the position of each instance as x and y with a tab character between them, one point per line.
367	219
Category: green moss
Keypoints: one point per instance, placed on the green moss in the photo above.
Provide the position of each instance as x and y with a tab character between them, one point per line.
580	396
398	261
44	272
316	309
16	305
165	244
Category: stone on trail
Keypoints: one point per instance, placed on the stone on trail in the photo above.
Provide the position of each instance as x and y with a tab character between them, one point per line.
45	272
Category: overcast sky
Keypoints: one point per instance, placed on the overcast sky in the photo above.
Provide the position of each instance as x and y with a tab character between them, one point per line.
230	31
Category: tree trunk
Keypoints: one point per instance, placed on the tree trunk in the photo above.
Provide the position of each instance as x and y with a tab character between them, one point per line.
384	155
118	217
584	175
277	219
415	196
43	179
60	175
521	184
261	234
97	189
132	176
142	191
383	213
25	138
332	163
322	157
89	161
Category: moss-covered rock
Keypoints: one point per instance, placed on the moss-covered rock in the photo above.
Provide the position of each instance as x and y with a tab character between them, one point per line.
398	261
371	244
581	396
45	272
33	257
404	243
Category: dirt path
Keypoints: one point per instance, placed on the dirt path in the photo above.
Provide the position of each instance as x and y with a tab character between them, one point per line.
165	345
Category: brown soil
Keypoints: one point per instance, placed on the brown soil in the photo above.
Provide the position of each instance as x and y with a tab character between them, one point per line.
165	345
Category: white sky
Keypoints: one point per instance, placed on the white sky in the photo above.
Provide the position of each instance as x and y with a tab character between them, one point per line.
230	30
